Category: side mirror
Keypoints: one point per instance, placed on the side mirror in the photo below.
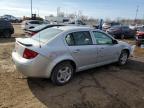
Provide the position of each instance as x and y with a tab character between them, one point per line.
115	41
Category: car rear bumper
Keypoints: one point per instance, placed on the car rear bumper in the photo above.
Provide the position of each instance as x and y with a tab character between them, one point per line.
31	68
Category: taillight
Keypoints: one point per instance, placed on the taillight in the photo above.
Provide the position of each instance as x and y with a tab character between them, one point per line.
140	33
33	33
29	54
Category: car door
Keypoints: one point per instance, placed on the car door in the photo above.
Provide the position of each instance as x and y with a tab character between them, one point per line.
106	50
80	45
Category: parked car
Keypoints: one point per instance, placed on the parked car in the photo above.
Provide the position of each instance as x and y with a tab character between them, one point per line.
29	24
77	22
33	31
58	53
108	25
11	18
6	28
140	36
121	32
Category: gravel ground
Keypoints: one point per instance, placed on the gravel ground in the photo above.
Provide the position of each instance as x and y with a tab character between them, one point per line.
109	86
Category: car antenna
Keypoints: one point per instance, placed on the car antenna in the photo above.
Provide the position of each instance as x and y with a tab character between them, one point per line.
39	40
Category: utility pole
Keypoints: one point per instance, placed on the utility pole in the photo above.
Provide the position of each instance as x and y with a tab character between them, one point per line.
58	11
143	18
31	9
136	14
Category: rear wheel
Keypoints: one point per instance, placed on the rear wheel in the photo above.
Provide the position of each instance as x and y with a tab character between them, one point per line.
123	58
62	73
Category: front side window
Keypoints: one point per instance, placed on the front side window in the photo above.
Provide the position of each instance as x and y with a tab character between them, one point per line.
102	38
79	38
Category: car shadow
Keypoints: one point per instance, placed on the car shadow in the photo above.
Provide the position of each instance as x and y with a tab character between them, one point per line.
58	96
6	40
12	39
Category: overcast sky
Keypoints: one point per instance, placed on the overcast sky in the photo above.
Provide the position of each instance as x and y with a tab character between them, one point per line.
92	8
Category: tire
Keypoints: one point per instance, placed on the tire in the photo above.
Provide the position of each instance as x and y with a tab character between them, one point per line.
60	76
6	34
123	58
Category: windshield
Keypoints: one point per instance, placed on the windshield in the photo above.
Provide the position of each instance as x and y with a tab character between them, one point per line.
46	34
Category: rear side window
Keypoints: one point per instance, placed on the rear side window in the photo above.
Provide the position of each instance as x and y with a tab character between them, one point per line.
101	38
79	38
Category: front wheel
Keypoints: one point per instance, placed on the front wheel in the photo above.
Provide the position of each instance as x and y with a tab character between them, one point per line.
123	58
62	73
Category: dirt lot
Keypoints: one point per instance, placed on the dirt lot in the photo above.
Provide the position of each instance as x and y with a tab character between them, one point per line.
109	86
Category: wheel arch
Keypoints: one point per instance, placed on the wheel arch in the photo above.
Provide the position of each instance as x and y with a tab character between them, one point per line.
51	68
127	50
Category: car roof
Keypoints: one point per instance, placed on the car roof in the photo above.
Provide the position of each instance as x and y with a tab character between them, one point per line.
70	28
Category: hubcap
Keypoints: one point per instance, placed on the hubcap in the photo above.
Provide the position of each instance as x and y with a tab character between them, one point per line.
64	74
123	58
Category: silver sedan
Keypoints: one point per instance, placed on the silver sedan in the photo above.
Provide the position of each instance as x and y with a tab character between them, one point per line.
59	52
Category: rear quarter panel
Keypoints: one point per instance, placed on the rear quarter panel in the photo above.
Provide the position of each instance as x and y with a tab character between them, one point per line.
55	52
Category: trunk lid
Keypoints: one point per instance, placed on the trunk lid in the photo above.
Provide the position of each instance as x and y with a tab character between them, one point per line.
22	43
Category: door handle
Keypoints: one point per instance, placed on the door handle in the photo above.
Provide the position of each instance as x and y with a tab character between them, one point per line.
77	51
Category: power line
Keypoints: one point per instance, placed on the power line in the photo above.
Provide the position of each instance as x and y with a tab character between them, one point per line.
137	10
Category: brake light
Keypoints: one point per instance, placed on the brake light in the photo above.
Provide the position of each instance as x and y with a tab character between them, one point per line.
33	33
140	33
29	54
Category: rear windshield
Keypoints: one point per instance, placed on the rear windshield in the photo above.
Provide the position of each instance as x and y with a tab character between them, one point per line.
141	29
39	27
115	27
46	34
